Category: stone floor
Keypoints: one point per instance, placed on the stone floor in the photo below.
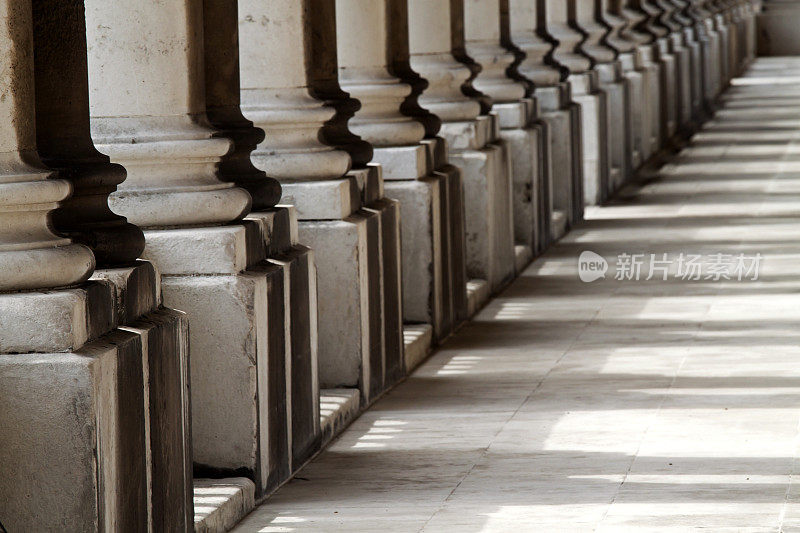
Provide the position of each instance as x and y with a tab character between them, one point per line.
650	405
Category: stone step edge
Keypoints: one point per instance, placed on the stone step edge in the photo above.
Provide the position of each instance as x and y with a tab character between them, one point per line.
220	504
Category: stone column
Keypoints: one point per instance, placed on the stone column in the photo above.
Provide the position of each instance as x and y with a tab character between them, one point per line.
676	46
466	131
587	17
373	46
720	25
562	149
658	67
95	371
279	95
212	265
737	25
521	137
701	36
584	86
751	9
694	48
639	114
435	39
293	380
709	40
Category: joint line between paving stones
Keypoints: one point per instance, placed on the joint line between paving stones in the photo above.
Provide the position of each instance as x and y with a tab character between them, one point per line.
525	400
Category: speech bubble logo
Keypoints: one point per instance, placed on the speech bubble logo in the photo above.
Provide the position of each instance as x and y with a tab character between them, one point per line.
591	266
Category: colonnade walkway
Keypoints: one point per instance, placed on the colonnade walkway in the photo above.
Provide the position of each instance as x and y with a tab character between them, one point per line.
565	405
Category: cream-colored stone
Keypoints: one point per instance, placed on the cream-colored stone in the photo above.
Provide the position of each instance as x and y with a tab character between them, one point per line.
430	46
157	127
523	23
482	43
276	79
362	43
31	255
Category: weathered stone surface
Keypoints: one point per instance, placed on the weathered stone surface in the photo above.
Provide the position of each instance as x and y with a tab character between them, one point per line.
165	356
352	356
362	41
137	289
63	140
219	504
421	215
56	321
277	92
525	151
554	22
230	371
418	341
300	299
323	200
588	17
31	255
403	162
338	408
157	127
388	211
406	146
489	238
563	161
93	447
214	250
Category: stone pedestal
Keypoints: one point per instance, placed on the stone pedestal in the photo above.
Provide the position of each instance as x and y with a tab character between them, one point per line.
93	374
292	390
720	25
414	161
712	57
522	137
619	124
180	187
636	82
254	378
659	78
355	282
104	407
98	452
706	40
164	390
692	42
683	71
588	16
584	88
345	234
435	40
562	152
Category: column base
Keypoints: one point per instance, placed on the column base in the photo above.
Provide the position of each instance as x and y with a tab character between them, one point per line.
431	208
683	71
489	225
523	138
669	89
617	126
351	353
562	150
638	113
107	427
594	140
246	289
